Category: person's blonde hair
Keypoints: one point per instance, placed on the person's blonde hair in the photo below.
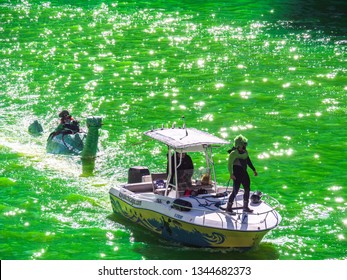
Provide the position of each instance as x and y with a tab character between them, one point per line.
240	141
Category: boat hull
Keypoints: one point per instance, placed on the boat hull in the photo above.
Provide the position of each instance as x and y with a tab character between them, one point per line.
171	227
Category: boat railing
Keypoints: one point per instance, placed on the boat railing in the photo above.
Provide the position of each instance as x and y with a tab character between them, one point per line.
271	201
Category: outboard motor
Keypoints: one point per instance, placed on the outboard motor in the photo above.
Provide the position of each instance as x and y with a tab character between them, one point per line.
256	197
135	174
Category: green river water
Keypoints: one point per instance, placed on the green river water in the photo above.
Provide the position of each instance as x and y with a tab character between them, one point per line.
274	71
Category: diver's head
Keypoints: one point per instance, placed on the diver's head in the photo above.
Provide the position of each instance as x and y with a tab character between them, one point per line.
240	142
64	114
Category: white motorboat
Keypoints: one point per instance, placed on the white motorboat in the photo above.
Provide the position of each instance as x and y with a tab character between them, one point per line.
192	213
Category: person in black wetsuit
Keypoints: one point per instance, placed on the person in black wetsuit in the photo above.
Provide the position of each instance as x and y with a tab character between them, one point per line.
237	166
68	125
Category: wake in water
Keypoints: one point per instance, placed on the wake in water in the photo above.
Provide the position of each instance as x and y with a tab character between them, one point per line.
33	146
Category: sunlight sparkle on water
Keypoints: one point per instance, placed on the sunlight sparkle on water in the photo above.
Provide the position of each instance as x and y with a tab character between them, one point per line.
241	127
272	113
208	117
245	94
223	132
38	254
341	237
15	212
219	85
332	108
91	85
331	75
316	212
264	155
199	105
330	101
98	69
201	63
334	188
276	153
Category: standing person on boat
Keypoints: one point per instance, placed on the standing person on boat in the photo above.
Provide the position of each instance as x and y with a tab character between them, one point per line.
68	124
237	166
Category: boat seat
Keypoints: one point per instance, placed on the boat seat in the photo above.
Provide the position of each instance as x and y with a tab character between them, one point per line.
155	177
139	187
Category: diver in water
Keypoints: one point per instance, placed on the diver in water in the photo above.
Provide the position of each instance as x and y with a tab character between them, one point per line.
237	166
68	125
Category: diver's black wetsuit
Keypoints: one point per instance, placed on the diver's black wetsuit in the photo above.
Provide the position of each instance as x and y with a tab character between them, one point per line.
242	177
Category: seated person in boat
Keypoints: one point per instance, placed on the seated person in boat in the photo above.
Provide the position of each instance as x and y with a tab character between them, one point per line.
68	125
206	179
185	170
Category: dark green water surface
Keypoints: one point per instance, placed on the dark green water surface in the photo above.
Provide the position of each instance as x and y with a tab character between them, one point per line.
274	71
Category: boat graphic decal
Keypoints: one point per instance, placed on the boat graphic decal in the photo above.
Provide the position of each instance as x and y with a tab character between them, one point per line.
167	227
215	237
136	217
